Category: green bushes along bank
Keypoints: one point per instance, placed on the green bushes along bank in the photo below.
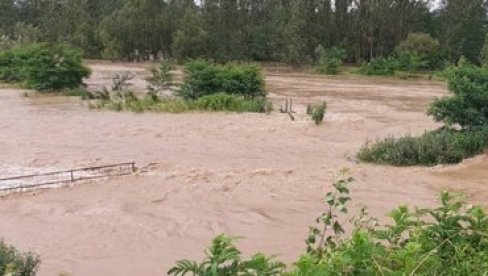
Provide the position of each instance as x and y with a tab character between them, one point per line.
43	66
444	146
465	115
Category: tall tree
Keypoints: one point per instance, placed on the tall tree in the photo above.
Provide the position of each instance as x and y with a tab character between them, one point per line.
463	27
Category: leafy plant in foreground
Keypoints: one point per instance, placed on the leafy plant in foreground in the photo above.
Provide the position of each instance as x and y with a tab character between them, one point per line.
451	239
224	259
15	263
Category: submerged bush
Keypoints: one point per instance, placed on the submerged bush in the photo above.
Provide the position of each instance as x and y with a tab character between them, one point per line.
467	107
203	78
43	66
15	263
444	146
317	112
451	239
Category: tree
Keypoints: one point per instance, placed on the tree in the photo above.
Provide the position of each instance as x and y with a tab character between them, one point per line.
190	39
468	106
422	50
462	27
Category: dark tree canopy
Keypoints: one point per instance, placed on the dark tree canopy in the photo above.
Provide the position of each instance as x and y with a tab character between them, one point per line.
259	30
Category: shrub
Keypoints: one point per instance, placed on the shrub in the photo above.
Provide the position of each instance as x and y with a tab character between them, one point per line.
380	66
13	262
223	258
161	77
444	146
317	112
43	66
451	239
203	78
467	107
329	61
12	64
424	51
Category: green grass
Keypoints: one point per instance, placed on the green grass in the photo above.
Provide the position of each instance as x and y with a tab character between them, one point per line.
444	146
219	102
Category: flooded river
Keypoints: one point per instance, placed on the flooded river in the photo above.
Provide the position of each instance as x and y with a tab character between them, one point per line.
253	175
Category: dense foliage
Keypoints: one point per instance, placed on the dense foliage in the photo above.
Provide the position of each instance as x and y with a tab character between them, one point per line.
259	30
419	52
467	107
329	61
15	263
43	66
451	239
444	146
203	78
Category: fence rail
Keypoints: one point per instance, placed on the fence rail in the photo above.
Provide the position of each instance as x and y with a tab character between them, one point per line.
62	177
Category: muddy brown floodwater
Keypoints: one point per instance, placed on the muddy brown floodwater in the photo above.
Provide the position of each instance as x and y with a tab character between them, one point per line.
253	175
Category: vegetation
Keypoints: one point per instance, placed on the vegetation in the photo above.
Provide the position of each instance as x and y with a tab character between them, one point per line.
215	102
329	61
43	66
380	66
13	262
203	78
243	88
423	52
451	239
317	112
419	52
223	258
465	134
467	107
444	146
250	30
161	79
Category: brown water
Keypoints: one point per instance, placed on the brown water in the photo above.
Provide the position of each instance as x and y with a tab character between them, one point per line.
252	175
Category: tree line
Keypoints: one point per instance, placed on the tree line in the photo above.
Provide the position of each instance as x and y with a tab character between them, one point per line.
286	31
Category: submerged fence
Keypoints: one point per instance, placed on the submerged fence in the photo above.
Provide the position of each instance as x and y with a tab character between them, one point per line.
19	183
